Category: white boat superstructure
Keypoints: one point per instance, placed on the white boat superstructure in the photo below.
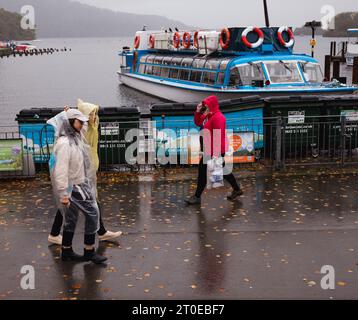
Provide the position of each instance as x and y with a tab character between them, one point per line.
352	48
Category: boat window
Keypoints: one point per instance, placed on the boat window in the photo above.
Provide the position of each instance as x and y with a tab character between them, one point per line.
250	72
165	72
177	61
167	60
199	63
149	70
156	71
150	59
158	59
221	78
184	74
174	73
224	64
143	58
141	68
212	64
187	62
195	76
312	72
234	78
283	72
209	78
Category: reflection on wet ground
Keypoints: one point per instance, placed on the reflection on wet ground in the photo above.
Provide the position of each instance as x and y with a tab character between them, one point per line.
272	243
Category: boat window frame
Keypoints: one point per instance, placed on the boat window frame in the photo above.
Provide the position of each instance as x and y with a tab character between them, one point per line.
251	63
265	62
303	73
215	72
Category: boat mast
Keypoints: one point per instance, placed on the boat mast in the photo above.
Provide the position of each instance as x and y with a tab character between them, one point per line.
267	20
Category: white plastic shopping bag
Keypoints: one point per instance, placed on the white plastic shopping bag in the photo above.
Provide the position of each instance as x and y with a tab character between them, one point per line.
215	173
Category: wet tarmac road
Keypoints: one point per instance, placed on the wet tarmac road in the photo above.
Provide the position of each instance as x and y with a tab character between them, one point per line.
271	244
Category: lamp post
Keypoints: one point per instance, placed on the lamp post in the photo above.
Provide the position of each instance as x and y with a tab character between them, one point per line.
313	25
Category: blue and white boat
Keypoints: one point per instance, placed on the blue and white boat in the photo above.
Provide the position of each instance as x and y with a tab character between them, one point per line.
232	63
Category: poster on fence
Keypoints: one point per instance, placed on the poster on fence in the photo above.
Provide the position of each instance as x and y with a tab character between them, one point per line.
241	148
11	155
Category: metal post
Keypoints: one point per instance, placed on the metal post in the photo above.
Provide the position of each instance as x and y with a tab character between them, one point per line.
327	68
355	70
278	158
313	40
267	20
343	138
336	69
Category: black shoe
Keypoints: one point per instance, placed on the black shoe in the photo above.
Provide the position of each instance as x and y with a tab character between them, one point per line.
235	194
91	255
193	200
68	255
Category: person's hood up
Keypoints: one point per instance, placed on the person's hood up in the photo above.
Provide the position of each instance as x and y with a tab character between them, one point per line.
213	104
87	108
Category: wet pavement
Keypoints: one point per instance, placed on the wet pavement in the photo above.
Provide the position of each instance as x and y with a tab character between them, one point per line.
270	244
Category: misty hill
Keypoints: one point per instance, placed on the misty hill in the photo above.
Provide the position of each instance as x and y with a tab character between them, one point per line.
65	18
10	27
343	21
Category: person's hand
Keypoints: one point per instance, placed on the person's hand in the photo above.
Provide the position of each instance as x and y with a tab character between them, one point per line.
198	107
65	201
67	108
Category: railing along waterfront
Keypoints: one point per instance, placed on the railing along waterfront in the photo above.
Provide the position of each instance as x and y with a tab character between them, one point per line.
276	142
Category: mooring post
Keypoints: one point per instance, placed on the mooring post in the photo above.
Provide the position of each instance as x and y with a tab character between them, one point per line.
336	69
327	68
278	158
355	71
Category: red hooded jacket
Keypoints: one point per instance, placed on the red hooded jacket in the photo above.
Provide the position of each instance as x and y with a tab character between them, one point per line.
215	139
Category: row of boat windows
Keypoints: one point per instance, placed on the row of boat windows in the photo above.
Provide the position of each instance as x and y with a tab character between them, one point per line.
205	77
186	62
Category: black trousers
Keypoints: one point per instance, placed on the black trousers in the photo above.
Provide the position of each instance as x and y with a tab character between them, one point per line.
57	225
202	179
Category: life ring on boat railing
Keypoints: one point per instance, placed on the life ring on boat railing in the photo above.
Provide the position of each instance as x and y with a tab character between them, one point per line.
196	39
225	38
176	40
151	42
136	42
249	44
186	40
291	42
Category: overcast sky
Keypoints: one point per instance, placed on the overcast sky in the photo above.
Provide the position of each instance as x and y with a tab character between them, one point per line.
219	13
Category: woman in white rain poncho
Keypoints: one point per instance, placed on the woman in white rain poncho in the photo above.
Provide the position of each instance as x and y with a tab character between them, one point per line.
73	177
91	137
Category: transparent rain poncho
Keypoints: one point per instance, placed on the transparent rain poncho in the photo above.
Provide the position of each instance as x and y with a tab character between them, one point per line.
73	175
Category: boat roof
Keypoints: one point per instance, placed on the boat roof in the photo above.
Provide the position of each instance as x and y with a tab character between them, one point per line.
274	57
353	30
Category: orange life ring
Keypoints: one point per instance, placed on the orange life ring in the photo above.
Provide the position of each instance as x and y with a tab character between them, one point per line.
249	44
151	42
225	38
176	40
186	40
196	40
136	42
291	42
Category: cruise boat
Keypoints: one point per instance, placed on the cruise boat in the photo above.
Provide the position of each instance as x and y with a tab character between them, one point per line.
352	48
231	63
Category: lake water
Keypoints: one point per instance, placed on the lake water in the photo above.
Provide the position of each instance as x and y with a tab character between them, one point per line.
87	72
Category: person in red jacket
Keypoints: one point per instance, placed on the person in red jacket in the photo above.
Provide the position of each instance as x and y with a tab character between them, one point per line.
214	143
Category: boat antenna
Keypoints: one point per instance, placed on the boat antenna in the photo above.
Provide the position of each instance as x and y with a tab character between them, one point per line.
267	19
145	28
